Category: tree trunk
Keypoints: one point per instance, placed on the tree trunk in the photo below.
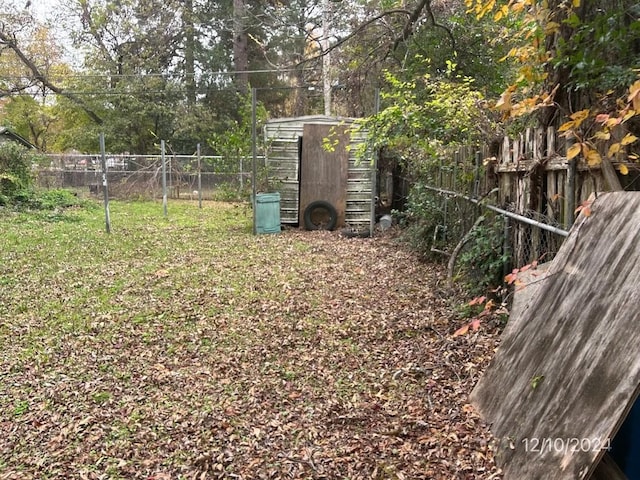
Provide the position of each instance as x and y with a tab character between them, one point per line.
240	44
189	52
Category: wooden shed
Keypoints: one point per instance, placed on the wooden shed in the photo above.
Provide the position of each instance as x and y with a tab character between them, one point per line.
314	159
7	135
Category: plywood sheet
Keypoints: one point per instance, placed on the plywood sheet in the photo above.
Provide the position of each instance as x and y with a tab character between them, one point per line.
324	173
568	368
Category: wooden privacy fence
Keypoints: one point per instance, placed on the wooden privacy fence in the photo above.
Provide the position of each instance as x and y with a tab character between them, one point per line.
530	176
531	172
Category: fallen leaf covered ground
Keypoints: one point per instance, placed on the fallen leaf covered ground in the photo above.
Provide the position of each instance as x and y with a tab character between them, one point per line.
187	348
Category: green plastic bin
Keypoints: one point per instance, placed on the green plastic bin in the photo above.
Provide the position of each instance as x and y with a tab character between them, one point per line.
267	212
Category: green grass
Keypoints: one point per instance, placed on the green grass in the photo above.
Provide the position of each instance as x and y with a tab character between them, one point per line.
182	346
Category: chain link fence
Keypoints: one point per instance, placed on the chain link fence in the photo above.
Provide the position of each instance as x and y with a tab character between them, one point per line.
140	176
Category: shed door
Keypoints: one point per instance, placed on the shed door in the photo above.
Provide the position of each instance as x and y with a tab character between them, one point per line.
323	173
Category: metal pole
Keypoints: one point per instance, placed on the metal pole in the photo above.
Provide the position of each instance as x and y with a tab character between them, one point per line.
199	179
476	175
506	213
164	178
254	152
569	214
506	246
374	173
107	217
326	57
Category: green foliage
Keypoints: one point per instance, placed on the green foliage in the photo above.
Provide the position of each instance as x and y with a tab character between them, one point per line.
234	142
423	115
422	216
482	261
602	52
15	169
229	192
56	198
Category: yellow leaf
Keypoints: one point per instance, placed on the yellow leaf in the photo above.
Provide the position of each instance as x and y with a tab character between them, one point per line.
573	151
612	122
628	139
579	117
566	126
593	158
630	113
504	104
624	170
613	149
551	27
602	135
634	90
576	3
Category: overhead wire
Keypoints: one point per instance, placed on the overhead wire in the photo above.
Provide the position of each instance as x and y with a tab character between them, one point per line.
162	75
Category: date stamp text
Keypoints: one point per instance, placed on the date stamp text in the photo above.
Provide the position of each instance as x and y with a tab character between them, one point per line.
565	445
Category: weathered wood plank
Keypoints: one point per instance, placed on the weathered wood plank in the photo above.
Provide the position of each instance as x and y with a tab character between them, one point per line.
610	175
323	174
568	366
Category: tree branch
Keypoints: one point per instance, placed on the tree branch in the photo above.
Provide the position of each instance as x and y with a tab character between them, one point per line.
409	27
42	78
357	31
413	16
432	17
407	31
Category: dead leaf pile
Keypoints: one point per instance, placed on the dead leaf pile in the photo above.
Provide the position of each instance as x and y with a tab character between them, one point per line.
194	350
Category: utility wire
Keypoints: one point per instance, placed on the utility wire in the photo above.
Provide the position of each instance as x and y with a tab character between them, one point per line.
160	75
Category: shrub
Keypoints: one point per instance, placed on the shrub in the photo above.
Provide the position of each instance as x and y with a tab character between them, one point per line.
52	199
16	175
481	264
421	218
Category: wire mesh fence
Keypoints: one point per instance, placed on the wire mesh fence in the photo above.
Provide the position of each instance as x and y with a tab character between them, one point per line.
140	176
486	240
528	243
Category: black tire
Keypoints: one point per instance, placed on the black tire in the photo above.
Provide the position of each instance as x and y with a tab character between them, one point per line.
320	205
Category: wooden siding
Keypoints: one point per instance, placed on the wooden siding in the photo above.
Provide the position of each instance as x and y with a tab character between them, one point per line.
568	366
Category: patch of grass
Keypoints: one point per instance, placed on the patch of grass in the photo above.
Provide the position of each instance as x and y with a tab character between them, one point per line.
101	397
21	407
186	347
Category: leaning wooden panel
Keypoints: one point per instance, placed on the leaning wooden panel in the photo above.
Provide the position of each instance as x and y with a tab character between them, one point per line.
324	172
568	368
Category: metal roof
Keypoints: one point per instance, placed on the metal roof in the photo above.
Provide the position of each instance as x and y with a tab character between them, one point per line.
5	132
